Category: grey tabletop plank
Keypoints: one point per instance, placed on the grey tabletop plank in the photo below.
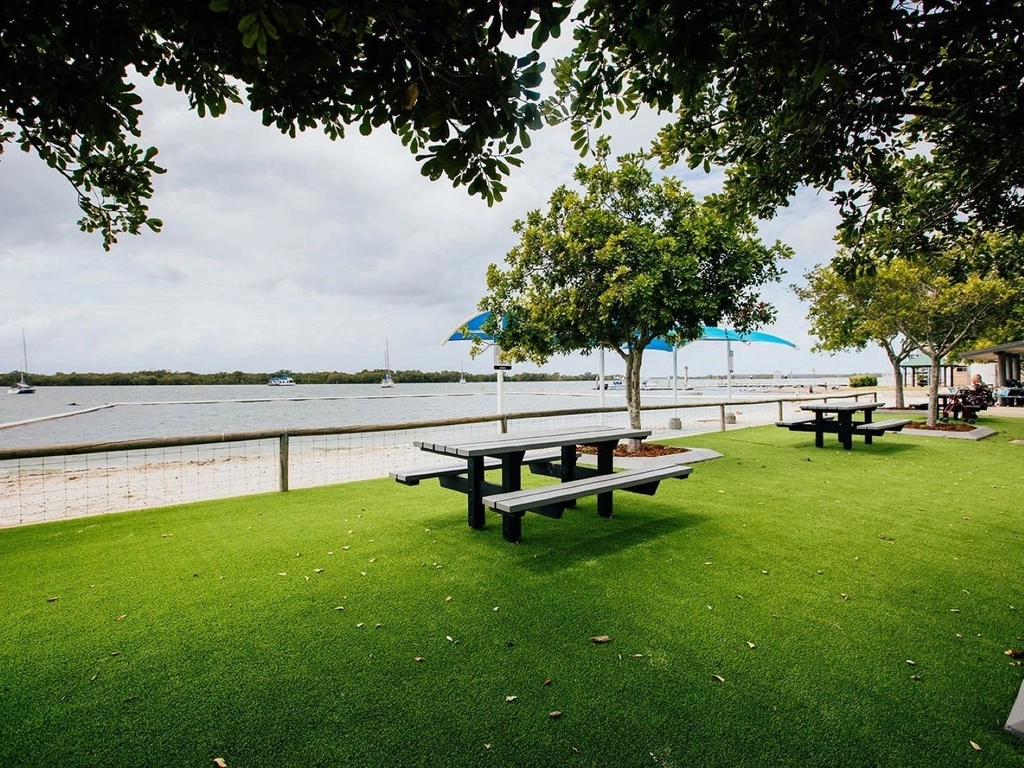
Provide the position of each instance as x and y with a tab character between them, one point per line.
839	407
525	441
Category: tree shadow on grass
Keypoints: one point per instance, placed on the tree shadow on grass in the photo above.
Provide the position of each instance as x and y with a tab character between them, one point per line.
581	534
877	448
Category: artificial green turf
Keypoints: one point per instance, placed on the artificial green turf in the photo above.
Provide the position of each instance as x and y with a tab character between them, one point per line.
184	634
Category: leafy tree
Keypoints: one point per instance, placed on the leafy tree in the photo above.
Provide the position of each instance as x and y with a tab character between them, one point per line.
852	313
823	94
431	71
622	261
941	314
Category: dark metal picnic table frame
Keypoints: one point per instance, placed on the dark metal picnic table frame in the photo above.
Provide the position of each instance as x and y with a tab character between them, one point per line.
511	449
843	425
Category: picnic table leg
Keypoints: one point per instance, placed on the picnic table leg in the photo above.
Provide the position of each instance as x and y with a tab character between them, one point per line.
819	430
569	468
846	430
512	471
512	480
512	528
867	420
475	478
605	466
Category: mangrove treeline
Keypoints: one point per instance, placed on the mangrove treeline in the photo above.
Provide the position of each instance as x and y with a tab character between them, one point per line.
178	378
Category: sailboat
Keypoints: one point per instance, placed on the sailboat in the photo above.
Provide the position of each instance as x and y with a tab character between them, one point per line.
462	378
387	382
22	387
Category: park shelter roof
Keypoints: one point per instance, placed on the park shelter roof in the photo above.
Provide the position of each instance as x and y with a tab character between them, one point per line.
991	354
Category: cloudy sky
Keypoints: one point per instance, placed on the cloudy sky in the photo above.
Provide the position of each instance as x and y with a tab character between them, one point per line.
310	255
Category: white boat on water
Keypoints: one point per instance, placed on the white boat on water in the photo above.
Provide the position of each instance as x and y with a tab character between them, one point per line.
22	387
281	380
387	382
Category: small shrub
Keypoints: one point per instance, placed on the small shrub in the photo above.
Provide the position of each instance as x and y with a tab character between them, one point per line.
864	380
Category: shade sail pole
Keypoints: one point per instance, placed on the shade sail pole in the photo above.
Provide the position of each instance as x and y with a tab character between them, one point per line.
501	393
675	375
600	378
728	370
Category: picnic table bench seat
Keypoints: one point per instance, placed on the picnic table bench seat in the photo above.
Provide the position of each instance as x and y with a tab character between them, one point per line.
801	423
878	427
552	500
540	462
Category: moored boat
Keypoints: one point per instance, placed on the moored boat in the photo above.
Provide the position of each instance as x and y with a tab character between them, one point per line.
22	387
281	380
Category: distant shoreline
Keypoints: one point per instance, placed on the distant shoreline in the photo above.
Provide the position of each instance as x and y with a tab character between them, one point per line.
188	378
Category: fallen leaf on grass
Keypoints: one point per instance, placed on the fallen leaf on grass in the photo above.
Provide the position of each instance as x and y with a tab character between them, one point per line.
448	599
1015	653
954	610
419	659
911	662
719	678
510	699
121	617
554	715
51	599
547	681
318	570
600	639
976	746
219	762
750	644
282	574
915	678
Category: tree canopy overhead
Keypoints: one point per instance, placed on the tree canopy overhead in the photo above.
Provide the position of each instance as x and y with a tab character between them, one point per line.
781	94
432	71
802	92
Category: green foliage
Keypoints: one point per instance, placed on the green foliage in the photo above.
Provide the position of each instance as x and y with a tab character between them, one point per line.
174	638
823	94
433	72
864	380
622	261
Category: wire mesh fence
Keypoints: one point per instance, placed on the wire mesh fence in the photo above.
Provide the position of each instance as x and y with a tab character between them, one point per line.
66	482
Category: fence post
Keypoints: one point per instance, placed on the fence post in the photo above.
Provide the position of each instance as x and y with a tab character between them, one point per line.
721	416
283	456
504	424
780	410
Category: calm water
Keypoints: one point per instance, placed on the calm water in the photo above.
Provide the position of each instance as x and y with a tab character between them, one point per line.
143	412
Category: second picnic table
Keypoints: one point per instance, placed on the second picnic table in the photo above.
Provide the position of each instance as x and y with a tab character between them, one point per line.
838	419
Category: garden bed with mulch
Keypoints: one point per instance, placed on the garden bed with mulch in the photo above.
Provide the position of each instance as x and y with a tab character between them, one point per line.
646	450
943	426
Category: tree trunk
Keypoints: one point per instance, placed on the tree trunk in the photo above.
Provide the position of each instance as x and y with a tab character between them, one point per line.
897	379
633	361
933	392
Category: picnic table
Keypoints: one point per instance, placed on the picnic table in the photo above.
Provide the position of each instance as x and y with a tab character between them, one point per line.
838	419
551	452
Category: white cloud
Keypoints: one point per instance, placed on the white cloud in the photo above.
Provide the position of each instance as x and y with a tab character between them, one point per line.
305	254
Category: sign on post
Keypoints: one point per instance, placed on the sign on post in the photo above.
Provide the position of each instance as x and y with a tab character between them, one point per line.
500	362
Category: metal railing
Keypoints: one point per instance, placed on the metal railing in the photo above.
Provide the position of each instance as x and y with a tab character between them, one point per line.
68	481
